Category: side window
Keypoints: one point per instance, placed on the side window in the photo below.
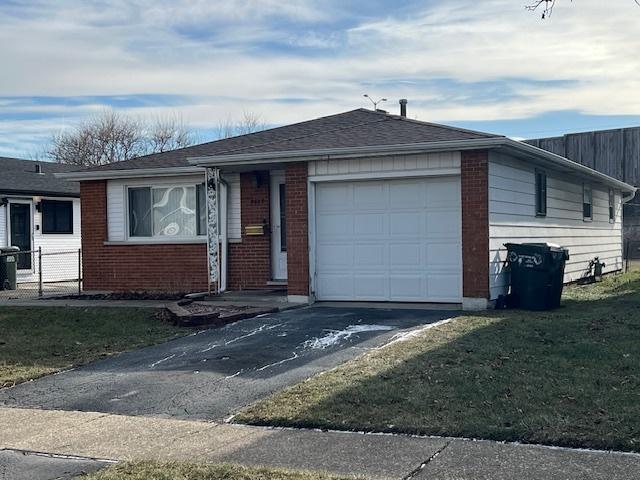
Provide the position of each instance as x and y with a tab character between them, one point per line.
587	202
612	206
541	193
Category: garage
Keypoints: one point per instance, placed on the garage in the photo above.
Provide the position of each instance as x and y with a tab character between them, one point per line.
389	240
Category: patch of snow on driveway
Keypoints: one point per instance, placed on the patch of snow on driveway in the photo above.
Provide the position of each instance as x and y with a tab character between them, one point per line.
334	337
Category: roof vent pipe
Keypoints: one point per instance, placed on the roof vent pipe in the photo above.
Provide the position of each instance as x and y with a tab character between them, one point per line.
403	107
38	168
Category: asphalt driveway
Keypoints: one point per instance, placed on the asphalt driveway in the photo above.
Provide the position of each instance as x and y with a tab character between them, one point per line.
211	374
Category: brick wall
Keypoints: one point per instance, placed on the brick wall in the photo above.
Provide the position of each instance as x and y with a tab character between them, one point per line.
297	229
475	223
249	263
163	267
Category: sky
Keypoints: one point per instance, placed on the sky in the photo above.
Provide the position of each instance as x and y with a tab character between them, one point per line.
488	65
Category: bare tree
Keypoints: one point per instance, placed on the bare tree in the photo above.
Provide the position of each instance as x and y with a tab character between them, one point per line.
249	122
546	6
169	133
112	137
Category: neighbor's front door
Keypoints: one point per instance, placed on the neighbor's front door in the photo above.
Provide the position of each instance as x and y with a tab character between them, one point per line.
278	227
20	226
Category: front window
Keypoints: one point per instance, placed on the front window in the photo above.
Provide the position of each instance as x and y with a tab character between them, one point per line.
587	202
167	211
57	216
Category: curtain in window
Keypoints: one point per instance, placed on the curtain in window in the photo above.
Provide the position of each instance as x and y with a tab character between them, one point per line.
174	211
139	212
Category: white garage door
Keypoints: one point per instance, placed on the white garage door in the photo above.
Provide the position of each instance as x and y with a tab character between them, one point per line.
389	240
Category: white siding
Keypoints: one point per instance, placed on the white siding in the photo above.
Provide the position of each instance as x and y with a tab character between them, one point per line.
3	226
396	163
234	228
512	219
60	251
116	201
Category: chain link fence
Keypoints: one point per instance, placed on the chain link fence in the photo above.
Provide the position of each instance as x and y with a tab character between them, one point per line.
40	273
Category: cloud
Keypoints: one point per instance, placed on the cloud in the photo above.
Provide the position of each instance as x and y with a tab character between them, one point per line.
456	61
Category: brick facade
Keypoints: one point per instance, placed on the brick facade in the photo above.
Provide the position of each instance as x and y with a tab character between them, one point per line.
475	223
183	267
249	262
297	229
163	267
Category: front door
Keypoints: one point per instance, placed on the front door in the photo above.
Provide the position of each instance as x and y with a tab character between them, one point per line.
278	227
20	226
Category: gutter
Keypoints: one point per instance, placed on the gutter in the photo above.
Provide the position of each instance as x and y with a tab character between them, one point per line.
344	152
267	158
38	193
519	148
129	173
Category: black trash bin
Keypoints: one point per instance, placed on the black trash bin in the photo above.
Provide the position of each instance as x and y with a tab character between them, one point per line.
8	268
537	274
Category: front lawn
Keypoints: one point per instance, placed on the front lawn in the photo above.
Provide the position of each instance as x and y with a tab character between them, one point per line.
570	377
191	471
42	340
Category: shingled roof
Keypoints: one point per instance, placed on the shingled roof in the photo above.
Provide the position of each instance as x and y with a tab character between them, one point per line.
356	128
19	177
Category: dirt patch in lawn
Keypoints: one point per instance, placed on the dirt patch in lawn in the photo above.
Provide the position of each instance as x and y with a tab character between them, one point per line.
568	377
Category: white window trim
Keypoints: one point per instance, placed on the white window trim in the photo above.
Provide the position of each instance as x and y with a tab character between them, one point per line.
158	239
588	186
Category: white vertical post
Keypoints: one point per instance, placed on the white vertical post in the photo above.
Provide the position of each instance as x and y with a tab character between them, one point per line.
213	232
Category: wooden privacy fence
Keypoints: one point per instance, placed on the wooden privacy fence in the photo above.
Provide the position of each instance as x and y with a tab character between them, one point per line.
613	152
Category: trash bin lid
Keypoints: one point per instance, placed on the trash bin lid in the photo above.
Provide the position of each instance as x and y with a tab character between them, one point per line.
9	249
551	246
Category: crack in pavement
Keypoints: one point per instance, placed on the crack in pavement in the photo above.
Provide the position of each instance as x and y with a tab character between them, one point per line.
422	466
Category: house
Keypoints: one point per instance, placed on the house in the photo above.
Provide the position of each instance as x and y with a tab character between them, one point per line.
39	212
613	152
362	205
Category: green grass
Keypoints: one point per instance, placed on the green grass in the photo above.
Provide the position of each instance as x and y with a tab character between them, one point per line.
42	340
569	377
191	471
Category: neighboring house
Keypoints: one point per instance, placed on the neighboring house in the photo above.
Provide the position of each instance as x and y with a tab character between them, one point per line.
39	211
612	152
358	206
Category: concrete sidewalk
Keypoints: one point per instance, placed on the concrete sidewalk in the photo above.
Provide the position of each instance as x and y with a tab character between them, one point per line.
107	436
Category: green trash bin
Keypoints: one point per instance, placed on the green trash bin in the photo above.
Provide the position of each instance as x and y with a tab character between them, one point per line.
8	268
537	274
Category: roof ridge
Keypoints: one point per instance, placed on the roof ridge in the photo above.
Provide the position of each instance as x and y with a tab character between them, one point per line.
433	124
347	127
24	159
249	134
